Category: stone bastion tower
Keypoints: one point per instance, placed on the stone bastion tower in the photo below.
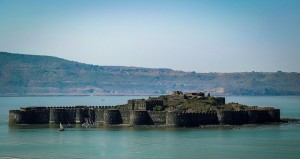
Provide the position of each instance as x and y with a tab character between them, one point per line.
175	110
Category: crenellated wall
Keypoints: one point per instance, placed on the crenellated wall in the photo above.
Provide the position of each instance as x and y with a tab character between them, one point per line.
110	116
29	115
249	116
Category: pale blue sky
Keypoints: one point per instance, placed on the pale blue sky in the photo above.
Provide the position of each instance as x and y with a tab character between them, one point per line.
188	35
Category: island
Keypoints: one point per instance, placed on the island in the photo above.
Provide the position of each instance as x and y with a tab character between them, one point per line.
192	109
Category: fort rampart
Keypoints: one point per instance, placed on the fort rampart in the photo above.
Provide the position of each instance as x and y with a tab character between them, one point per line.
109	115
150	111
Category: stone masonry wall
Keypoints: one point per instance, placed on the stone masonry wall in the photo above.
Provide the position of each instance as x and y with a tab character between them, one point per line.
110	116
191	119
249	116
158	117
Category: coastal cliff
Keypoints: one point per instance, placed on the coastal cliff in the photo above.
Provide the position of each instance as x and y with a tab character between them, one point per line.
175	110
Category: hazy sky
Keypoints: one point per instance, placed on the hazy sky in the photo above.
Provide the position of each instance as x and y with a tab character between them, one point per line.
189	35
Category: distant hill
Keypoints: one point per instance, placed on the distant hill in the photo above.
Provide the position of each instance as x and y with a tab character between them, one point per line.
23	75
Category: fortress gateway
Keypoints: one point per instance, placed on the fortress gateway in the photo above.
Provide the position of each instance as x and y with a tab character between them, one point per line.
176	110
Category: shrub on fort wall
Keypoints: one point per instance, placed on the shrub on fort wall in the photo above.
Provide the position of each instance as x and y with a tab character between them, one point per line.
158	108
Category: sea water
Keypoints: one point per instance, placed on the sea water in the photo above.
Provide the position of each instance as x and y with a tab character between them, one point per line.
266	141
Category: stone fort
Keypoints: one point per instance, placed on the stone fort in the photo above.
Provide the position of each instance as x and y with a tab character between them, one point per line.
142	112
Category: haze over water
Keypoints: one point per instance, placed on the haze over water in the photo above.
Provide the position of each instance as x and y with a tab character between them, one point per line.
267	141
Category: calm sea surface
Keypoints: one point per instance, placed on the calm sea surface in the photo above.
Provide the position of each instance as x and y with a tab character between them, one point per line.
266	142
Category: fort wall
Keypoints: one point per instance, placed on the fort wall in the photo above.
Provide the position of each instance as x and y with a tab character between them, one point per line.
99	116
30	115
125	114
112	117
108	116
158	117
191	119
140	117
79	115
250	116
16	117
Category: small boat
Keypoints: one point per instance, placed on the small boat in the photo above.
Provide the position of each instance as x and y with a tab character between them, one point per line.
61	128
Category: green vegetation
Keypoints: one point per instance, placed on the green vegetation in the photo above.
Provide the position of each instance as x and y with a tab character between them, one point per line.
45	75
201	105
235	106
158	108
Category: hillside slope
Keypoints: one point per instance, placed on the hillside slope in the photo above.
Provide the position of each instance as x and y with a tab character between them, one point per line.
44	75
